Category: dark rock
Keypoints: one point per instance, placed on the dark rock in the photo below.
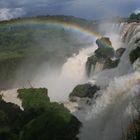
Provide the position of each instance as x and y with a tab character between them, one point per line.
134	17
41	119
85	90
109	63
104	42
133	130
103	55
34	98
119	52
91	62
105	48
134	55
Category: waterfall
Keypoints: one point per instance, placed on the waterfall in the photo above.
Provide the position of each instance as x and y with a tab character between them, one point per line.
113	31
74	68
128	30
110	114
73	72
98	67
124	66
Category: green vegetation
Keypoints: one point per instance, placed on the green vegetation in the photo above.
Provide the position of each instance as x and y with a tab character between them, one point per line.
109	64
34	98
134	55
25	44
85	90
103	55
10	116
104	42
134	17
104	52
8	67
56	123
40	119
59	18
105	49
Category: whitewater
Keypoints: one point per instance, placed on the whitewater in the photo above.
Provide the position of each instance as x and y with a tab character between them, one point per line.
72	73
109	115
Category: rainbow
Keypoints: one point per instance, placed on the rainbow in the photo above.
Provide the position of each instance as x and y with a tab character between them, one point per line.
75	27
63	24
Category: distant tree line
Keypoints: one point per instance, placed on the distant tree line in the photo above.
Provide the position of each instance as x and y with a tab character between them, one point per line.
134	17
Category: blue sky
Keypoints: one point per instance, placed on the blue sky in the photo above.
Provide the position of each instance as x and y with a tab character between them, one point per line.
91	9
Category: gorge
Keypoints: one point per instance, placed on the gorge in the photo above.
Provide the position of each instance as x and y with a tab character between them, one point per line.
98	81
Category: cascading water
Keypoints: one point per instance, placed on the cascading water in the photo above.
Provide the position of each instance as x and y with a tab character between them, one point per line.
74	68
124	66
59	82
110	114
73	72
112	111
98	67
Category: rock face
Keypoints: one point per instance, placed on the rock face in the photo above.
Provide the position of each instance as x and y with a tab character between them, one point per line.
134	55
105	49
85	90
134	17
103	57
136	65
119	52
133	131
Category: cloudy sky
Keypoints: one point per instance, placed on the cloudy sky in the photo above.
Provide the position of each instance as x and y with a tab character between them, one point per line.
91	9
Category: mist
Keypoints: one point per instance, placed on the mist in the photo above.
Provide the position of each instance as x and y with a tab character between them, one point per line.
113	109
61	63
77	74
116	107
59	60
60	82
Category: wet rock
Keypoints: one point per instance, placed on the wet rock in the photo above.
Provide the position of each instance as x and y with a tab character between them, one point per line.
85	90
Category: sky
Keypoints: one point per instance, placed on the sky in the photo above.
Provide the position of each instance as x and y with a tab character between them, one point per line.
89	9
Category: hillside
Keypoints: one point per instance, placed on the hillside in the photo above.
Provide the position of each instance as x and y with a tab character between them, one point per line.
27	43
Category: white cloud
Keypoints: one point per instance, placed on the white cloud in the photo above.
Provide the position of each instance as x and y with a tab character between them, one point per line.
80	8
137	11
9	13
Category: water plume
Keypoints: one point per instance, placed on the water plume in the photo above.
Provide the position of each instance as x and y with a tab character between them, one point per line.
61	82
112	112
